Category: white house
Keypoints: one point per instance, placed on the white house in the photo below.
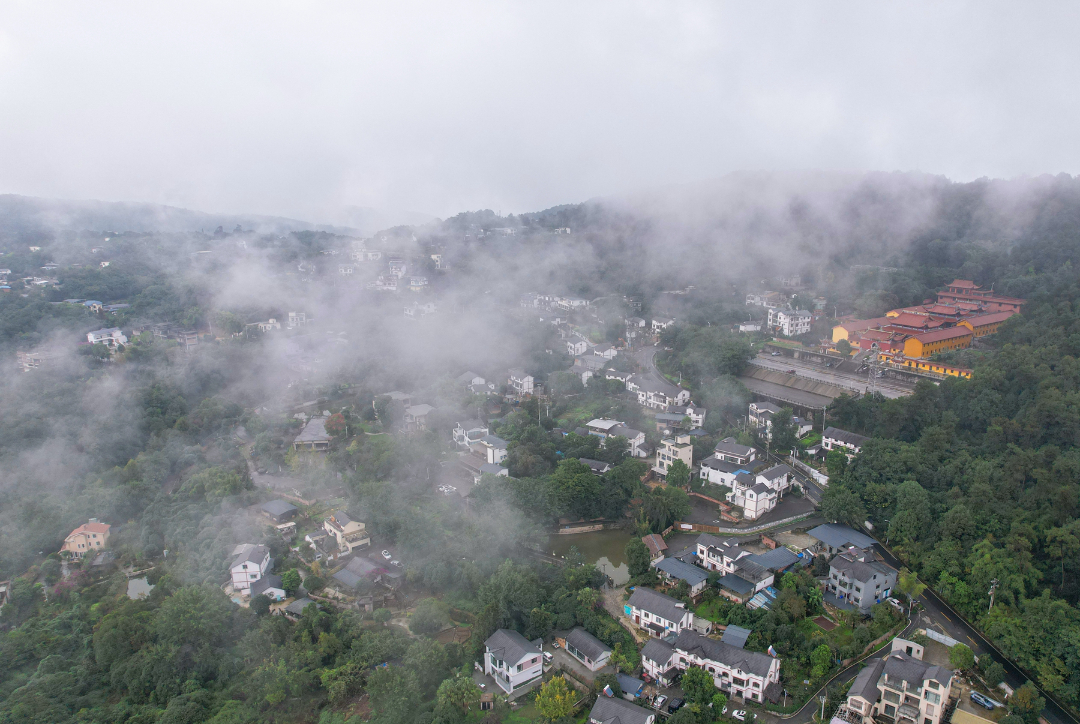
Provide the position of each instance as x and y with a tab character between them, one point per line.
494	448
789	322
250	564
586	648
111	338
658	613
662	323
297	319
269	586
741	574
751	675
520	382
512	660
769	300
655	393
718	471
848	442
605	350
576	346
696	413
898	687
733	452
468	432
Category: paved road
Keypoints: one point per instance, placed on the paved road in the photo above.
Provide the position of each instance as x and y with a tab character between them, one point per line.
888	388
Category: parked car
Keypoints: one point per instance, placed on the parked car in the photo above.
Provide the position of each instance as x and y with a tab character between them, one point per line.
983	701
790	372
386	555
775	354
739	714
659	703
675	705
895	604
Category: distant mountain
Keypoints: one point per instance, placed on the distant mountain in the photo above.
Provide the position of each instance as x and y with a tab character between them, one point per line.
21	214
367	220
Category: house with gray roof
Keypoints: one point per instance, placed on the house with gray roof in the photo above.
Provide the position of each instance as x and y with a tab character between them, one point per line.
607	710
736	672
778	560
598	467
314	435
269	586
657	612
736	636
730	450
859	578
278	511
719	471
848	443
900	688
587	649
296	609
495	448
631	687
835	537
512	660
656	545
468	432
672	569
250	563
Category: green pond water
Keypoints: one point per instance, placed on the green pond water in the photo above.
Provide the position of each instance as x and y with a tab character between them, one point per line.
605	548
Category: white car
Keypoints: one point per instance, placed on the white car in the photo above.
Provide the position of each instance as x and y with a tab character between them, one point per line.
396	563
739	714
386	555
895	604
659	703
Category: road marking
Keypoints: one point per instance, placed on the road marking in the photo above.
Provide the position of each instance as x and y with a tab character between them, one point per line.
945	617
972	641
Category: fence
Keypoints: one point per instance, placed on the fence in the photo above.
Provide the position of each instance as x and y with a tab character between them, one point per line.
819	477
941	638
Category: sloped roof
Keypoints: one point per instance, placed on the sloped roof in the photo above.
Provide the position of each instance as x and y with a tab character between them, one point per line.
297	607
777	559
510	646
683	571
657	603
655	543
100	528
776	471
658	651
609	710
587	644
735	583
984	319
943	334
865	684
729	446
736	636
836	535
269	581
255	554
723	466
314	431
851	438
629	684
691	641
278	507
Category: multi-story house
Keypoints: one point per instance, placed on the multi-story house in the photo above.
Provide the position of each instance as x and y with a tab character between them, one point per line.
718	471
576	346
731	451
749	675
898	687
494	448
297	319
656	545
91	536
672	449
790	322
696	413
658	613
715	554
760	415
470	432
743	573
520	382
847	442
859	578
672	569
656	394
512	660
111	338
251	563
604	429
753	497
416	417
769	300
779	478
350	534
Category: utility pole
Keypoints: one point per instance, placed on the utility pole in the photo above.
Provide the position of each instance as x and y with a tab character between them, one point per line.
822	698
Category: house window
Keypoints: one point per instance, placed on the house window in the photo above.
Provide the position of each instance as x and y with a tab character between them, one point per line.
890	710
933	698
932	684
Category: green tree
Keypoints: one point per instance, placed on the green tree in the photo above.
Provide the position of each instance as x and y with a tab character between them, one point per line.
844	347
555	701
783	431
820	661
909	584
460	691
912	513
430	616
382	615
665	504
836	463
1026	703
842	505
962	657
260	604
637	557
336	424
678	475
698	685
290	581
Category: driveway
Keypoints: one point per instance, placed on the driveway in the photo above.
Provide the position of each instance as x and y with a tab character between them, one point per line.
613	604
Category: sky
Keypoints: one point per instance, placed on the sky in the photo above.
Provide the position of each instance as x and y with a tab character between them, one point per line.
303	109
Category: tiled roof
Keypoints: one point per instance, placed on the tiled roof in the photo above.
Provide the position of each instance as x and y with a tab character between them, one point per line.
752	662
657	603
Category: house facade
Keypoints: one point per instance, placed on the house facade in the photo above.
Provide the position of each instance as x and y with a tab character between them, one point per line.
731	451
790	322
672	449
350	534
900	688
658	613
91	536
111	338
749	675
860	578
847	442
520	382
250	564
586	648
512	660
469	432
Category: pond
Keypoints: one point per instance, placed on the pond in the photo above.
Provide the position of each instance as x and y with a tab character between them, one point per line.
605	548
139	588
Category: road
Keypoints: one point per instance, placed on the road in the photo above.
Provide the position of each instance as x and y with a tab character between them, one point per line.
888	388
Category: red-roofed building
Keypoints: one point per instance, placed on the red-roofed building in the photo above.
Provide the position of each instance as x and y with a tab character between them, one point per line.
92	536
965	290
845	329
915	322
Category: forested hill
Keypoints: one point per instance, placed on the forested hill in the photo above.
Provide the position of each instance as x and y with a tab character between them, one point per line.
976	481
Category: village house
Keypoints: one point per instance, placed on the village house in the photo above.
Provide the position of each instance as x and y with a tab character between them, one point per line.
91	536
657	612
520	382
418	284
695	413
736	672
586	648
656	394
659	324
836	538
512	660
577	346
656	545
587	366
297	319
269	586
859	578
350	534
416	310
607	710
250	563
672	569
897	687
733	452
111	338
769	300
718	471
744	574
598	467
469	432
469	379
790	322
314	435
754	498
416	417
607	351
672	449
278	511
847	442
494	448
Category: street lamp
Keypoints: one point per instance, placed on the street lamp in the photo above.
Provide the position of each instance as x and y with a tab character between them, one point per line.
822	698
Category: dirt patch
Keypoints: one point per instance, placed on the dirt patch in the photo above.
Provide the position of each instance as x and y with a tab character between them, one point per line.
824	623
786	538
454	635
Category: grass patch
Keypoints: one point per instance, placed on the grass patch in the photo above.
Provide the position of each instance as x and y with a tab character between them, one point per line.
710	610
526	714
